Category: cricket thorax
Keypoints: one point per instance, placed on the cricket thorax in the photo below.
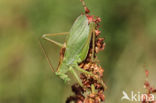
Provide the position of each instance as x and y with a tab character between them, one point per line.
63	76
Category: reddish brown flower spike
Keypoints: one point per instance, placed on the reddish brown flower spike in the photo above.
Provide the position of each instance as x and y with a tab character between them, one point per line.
147	73
90	18
97	32
154	91
98	19
146	84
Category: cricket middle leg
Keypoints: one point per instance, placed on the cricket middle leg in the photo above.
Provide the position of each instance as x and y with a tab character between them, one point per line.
91	74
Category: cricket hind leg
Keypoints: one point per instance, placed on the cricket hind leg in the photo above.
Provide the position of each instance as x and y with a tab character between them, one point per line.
47	57
46	37
93	46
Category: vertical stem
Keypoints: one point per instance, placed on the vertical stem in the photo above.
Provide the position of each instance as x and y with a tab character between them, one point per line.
83	3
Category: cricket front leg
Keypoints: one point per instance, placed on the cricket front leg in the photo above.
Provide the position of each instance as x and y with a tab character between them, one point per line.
76	76
46	37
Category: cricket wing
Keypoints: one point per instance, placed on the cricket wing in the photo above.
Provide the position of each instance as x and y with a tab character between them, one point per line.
77	39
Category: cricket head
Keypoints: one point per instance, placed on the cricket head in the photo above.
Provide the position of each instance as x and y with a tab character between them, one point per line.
63	76
61	72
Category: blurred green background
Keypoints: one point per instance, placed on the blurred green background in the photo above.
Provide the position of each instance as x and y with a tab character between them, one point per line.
129	29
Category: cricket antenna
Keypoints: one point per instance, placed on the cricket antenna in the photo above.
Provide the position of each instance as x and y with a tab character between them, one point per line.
85	7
